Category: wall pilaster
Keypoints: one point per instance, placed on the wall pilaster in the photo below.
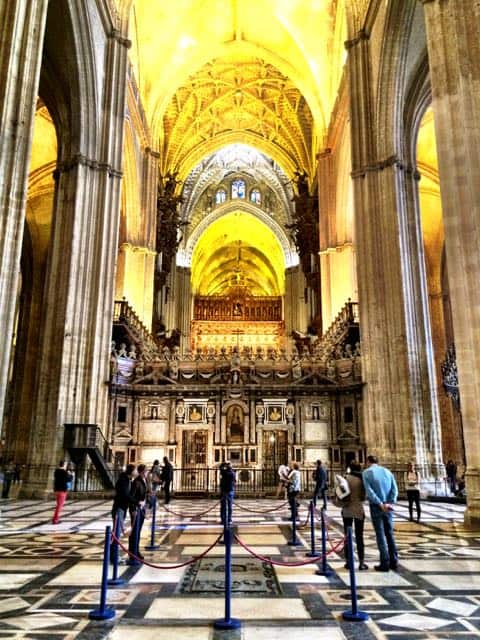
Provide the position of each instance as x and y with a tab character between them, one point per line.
73	367
22	27
397	413
453	39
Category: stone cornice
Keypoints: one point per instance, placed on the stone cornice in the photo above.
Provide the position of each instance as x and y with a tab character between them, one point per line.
151	152
362	35
380	165
79	160
324	154
337	249
128	246
115	34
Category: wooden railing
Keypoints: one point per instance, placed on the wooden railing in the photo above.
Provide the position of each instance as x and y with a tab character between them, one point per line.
238	309
124	314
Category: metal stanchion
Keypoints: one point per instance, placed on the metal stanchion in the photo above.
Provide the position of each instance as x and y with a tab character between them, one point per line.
227	622
353	614
152	546
104	612
312	553
324	570
134	562
115	579
294	542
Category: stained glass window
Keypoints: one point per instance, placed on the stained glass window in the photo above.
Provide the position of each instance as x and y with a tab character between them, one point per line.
255	196
220	196
238	189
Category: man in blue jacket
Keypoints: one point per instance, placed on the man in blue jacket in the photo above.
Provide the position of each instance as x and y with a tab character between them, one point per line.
382	492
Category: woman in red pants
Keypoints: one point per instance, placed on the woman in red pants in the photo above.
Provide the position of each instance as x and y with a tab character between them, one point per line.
61	478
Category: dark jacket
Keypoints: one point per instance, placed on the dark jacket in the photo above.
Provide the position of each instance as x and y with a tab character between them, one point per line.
320	478
123	494
167	473
227	480
138	492
61	478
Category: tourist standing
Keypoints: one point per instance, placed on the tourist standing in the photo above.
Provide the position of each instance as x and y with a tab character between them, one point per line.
8	474
353	513
451	469
293	489
283	472
123	498
137	509
61	480
382	492
321	484
167	478
227	492
155	476
412	485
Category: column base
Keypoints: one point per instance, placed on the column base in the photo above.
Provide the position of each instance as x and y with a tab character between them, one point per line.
472	483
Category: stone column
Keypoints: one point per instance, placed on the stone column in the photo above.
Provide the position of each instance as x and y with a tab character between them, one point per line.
395	412
73	367
22	27
326	206
453	39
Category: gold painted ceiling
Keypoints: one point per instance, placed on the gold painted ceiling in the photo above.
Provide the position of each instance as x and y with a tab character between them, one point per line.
213	72
238	250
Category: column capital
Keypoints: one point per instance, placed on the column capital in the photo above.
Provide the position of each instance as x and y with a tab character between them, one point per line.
380	165
324	154
79	160
361	36
149	151
115	34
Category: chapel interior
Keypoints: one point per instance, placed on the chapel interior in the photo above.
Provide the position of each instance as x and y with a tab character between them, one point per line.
239	230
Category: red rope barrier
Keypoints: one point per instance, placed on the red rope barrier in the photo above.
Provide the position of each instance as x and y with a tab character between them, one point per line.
174	566
239	506
285	564
190	515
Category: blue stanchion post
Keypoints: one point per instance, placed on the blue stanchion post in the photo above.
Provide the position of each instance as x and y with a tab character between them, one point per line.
294	542
227	622
353	614
115	580
133	562
324	570
152	546
312	553
103	612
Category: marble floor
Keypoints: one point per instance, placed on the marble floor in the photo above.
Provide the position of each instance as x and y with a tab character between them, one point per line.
50	575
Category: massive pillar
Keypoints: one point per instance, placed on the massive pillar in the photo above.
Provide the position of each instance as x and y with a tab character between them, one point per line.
453	38
22	26
73	368
397	415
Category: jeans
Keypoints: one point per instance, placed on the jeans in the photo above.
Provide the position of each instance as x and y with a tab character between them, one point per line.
226	508
413	495
133	542
383	525
322	493
292	500
166	488
119	515
358	523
